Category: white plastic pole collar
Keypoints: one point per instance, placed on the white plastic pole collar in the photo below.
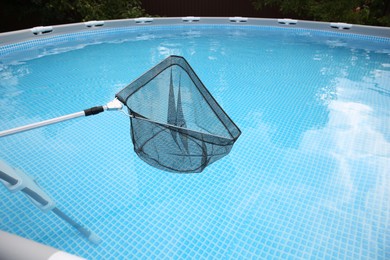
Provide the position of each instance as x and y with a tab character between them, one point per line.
113	105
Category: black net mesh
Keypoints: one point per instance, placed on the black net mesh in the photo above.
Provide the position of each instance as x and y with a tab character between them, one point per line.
176	125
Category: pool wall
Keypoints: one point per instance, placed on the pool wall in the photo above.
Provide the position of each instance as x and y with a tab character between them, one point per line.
41	32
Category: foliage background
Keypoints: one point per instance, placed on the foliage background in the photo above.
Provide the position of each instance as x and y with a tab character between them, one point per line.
369	12
19	14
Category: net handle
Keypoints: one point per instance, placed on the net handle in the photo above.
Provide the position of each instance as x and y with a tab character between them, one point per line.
113	105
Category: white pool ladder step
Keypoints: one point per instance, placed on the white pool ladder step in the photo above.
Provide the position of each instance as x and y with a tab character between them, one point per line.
23	181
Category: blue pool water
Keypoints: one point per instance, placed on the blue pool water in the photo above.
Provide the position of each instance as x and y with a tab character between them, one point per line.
308	178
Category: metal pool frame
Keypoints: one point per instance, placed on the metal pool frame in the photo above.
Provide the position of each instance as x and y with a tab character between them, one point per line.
42	32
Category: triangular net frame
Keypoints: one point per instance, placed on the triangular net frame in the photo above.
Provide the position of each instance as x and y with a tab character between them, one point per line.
176	125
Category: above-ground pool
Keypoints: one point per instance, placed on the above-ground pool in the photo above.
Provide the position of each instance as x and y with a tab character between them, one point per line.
309	176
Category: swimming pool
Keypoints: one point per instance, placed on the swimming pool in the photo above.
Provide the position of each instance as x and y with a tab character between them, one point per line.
309	176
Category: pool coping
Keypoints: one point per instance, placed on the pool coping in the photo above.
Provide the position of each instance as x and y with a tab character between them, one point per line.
42	32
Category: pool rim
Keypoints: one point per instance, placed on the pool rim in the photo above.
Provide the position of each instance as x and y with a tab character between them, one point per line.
10	39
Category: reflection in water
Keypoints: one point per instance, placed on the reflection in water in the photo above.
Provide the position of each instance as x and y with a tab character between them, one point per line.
10	78
337	148
354	139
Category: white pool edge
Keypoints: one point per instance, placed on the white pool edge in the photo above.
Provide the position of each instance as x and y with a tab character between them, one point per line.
42	32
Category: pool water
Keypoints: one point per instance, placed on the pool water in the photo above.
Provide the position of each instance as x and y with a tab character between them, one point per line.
308	178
